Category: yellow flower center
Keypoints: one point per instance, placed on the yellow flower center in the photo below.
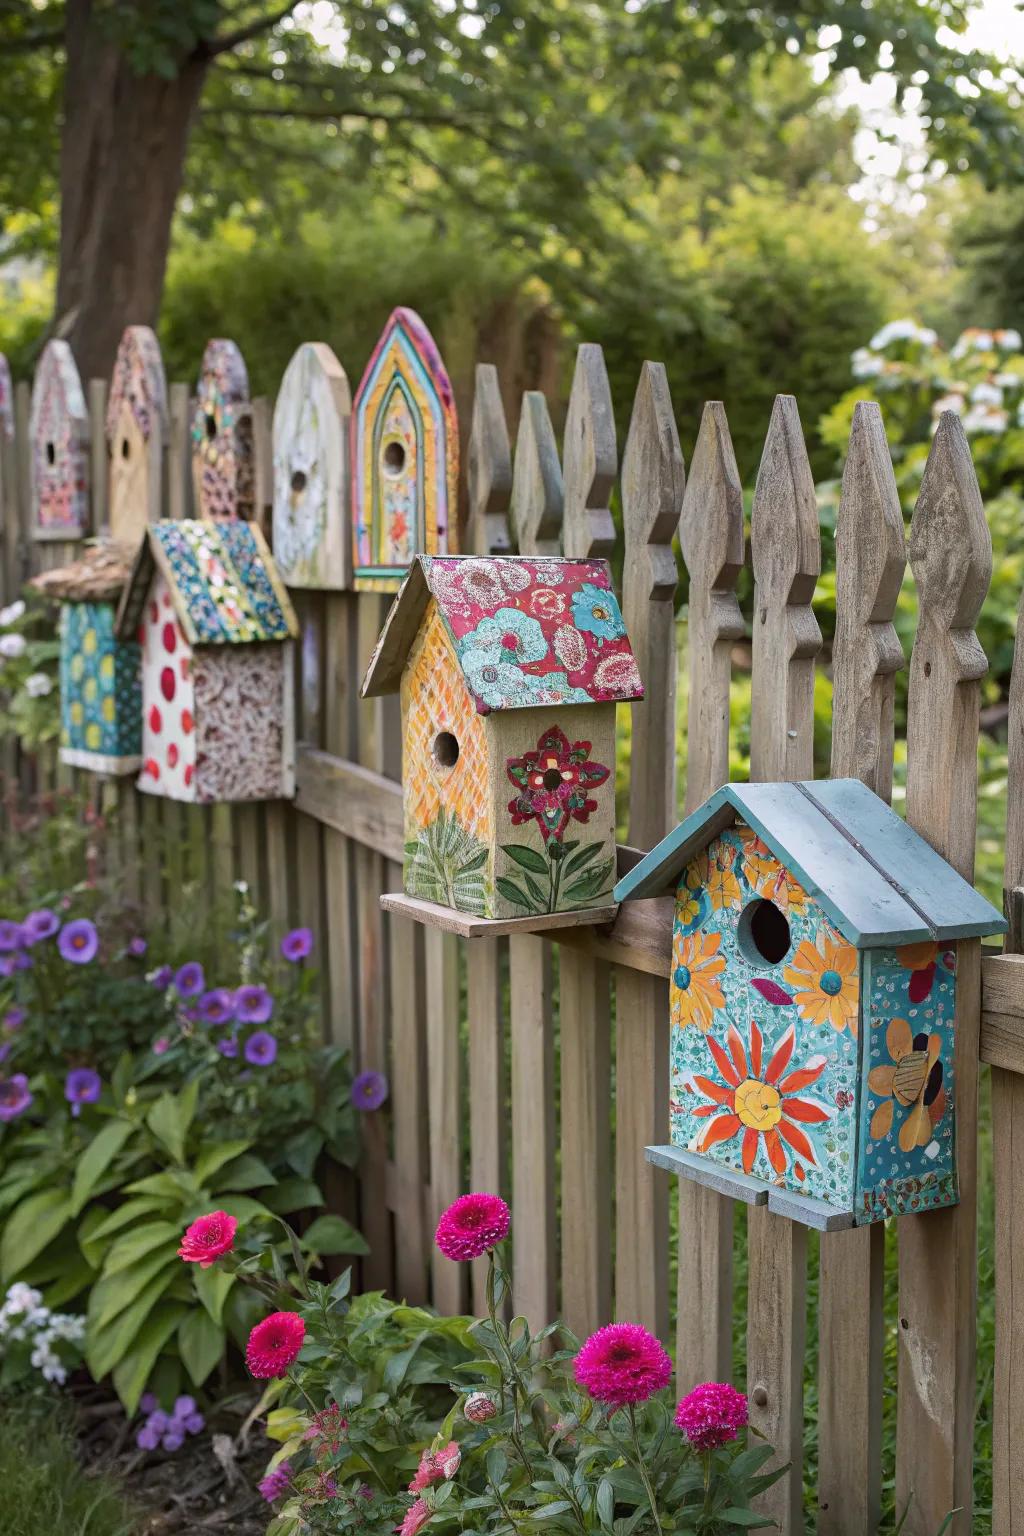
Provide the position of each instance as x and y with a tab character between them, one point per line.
758	1105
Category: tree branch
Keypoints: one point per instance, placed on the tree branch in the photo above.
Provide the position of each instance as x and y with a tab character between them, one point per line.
231	40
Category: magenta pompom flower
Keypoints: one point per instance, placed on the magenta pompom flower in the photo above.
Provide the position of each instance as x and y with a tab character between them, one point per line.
189	979
274	1344
40	925
15	1097
369	1090
82	1086
623	1364
436	1467
78	941
297	944
253	1004
260	1048
711	1414
208	1239
275	1483
471	1226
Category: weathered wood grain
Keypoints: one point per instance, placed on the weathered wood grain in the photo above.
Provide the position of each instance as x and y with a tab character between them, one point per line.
589	458
938	1252
489	472
534	1201
444	1068
356	801
535	509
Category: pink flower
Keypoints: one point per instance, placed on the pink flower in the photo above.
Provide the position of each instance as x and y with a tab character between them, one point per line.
479	1408
415	1518
208	1238
471	1226
275	1483
274	1344
623	1364
436	1467
711	1414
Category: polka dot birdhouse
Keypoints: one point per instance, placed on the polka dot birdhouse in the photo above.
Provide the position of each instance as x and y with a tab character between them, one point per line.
212	618
405	456
813	1001
509	670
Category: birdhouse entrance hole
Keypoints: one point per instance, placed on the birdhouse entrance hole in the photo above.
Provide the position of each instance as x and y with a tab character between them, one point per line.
51	454
393	459
552	780
445	749
763	933
211	426
126	448
299	481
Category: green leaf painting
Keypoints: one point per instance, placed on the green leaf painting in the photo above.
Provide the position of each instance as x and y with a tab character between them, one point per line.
446	864
571	877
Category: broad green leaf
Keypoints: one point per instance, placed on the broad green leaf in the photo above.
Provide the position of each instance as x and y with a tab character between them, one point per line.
164	1184
133	1371
333	1234
28	1229
511	892
245	1173
212	1287
97	1226
747	1518
135	1244
113	1293
215	1154
166	1121
526	858
202	1343
76	1275
283	1423
292	1195
244	1208
106	1347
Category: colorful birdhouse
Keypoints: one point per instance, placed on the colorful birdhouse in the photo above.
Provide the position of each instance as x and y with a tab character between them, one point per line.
312	540
405	456
100	685
222	443
813	996
509	671
213	619
137	431
59	444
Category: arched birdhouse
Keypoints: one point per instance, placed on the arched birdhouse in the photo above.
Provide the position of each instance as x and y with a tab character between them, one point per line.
813	994
312	539
137	431
405	456
222	443
59	438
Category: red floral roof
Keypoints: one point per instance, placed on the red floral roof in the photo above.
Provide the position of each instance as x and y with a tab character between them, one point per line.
529	632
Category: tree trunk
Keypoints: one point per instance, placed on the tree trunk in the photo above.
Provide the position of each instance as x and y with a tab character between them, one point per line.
123	149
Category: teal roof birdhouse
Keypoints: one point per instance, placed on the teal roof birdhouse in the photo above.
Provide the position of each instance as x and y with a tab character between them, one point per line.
813	996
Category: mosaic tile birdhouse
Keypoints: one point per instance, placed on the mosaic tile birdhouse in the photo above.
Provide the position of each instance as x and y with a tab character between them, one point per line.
137	432
813	994
509	671
100	679
213	619
405	456
59	447
312	537
222	442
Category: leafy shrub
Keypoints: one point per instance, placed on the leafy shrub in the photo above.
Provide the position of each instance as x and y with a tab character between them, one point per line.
29	653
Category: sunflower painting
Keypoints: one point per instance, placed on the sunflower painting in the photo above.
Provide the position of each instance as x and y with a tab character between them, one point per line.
825	973
697	969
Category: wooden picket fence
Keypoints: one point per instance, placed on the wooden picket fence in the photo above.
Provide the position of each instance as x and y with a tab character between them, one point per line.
538	1067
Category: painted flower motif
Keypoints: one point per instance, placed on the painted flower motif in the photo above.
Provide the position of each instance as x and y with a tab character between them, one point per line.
696	979
495	683
596	610
914	1081
274	1345
619	674
692	902
779	886
507	635
922	960
548	604
713	869
15	1097
827	981
78	941
757	862
82	1086
480	583
764	1103
568	644
553	783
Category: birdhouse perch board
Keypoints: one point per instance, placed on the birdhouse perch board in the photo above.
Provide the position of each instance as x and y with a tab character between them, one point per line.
813	992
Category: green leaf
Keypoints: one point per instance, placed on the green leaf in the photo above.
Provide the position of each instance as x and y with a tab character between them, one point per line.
333	1234
132	1246
106	1347
33	1224
135	1368
748	1518
605	1503
213	1155
96	1159
97	1225
511	892
245	1173
113	1293
242	1207
292	1195
76	1276
163	1184
578	861
167	1120
202	1343
212	1287
526	858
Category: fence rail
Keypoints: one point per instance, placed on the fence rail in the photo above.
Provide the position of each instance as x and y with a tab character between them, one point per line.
537	1066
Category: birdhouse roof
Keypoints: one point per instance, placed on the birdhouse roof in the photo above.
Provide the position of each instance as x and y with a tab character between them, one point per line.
98	577
877	879
526	631
223	582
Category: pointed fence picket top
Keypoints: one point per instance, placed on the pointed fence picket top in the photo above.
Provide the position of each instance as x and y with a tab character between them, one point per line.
536	505
866	655
589	457
786	555
137	434
951	558
489	471
711	536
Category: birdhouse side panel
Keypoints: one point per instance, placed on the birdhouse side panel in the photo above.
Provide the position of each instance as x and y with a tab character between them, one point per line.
101	691
447	793
312	545
908	1144
168	700
554	812
241	720
765	1006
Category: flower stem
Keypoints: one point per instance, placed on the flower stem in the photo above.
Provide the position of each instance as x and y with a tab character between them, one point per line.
641	1465
706	1459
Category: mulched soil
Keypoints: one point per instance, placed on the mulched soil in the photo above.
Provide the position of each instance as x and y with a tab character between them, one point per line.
209	1485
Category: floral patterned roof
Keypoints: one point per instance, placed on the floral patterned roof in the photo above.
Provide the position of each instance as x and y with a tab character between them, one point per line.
224	584
527	632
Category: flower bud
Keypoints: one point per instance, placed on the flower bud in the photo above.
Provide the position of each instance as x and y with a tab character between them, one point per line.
479	1408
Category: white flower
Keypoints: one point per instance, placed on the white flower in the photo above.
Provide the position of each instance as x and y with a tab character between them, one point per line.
38	685
950	402
986	394
12	646
901	330
984	341
12	613
984	418
1008	380
1010	341
865	365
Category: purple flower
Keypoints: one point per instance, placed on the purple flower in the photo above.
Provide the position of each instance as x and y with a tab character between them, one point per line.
78	941
137	946
173	1440
195	1423
189	978
14	1096
5	1050
217	1007
14	1018
183	1406
148	1402
6	965
147	1438
40	925
369	1090
12	935
159	1421
253	1004
275	1483
161	978
260	1048
82	1086
228	1046
22	961
297	944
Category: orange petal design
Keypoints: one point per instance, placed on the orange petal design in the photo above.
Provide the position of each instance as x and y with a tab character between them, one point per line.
810	1114
723	1063
804	1076
737	1052
881	1079
899	1039
716	1091
798	1141
916	1124
937	1107
719	1130
881	1120
776	1151
756	1049
780	1059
